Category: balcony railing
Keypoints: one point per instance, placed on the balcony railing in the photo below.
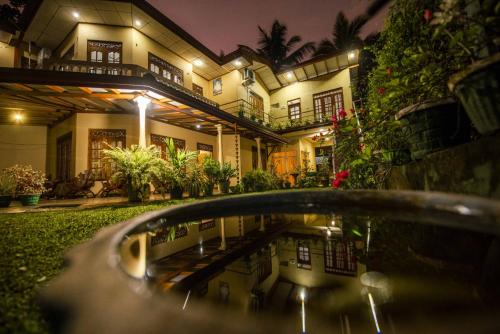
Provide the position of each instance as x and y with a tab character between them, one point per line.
242	108
306	118
81	66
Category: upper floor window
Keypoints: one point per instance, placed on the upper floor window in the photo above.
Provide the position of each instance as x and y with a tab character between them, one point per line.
165	69
326	103
105	53
294	109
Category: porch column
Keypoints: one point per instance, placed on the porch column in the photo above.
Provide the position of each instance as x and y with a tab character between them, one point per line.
219	142
222	235
142	103
262	227
259	158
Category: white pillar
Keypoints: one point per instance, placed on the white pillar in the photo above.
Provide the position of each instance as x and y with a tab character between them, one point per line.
142	103
259	158
222	235
219	142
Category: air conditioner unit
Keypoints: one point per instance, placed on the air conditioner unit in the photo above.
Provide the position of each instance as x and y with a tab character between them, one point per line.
248	77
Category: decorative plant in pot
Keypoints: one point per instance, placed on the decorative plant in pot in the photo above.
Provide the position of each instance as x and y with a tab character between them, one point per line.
196	180
7	188
257	180
175	168
410	81
135	165
225	175
29	183
472	30
211	168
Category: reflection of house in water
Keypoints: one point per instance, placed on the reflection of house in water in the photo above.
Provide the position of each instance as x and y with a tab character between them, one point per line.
257	269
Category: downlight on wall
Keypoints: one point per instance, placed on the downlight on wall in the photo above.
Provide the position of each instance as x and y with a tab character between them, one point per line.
76	15
351	55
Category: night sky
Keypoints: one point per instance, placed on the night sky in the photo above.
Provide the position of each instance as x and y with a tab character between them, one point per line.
223	24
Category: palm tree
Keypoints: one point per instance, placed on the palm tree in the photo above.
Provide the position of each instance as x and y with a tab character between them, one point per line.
345	35
275	47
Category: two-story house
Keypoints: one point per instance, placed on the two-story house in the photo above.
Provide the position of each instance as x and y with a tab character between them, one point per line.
80	75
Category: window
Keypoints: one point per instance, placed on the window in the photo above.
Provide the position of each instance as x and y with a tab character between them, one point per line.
264	265
197	89
321	153
303	255
326	103
104	53
99	140
204	150
340	258
294	109
165	69
159	142
257	103
206	224
63	158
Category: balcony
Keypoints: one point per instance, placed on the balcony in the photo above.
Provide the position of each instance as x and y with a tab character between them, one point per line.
244	109
81	66
306	119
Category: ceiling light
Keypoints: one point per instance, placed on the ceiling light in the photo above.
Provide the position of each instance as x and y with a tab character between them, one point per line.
198	62
137	22
289	75
237	63
351	55
76	15
198	126
18	117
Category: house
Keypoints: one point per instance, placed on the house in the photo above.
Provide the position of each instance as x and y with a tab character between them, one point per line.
82	75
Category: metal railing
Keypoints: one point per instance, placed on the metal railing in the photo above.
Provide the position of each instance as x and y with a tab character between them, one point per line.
242	108
81	66
306	118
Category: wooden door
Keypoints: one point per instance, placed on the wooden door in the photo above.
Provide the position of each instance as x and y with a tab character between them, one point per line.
63	157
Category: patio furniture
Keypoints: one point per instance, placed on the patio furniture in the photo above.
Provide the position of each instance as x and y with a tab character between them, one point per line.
77	186
50	187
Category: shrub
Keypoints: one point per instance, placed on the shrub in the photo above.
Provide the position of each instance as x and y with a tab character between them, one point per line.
211	168
257	180
135	165
28	180
196	180
7	184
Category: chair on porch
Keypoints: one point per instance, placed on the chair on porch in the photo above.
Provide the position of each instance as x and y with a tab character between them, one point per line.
77	186
110	186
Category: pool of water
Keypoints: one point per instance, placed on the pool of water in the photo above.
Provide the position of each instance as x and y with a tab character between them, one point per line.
320	273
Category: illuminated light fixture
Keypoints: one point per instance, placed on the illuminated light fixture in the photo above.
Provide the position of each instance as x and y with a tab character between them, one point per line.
76	15
372	306
237	63
289	75
138	22
175	103
18	117
329	233
198	126
198	62
302	298
333	222
155	95
351	55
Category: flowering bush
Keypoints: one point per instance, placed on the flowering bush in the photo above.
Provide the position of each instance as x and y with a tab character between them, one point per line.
340	178
7	184
28	180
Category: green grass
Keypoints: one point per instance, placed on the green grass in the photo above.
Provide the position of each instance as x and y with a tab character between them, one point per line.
32	247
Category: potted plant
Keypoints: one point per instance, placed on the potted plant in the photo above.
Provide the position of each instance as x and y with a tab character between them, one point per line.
195	181
29	183
211	168
410	82
175	168
135	165
7	188
473	32
225	175
257	180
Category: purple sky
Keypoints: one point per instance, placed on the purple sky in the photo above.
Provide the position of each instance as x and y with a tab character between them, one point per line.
222	24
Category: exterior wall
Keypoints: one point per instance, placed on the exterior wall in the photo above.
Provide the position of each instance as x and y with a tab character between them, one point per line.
230	83
22	144
200	81
246	155
68	125
6	55
305	90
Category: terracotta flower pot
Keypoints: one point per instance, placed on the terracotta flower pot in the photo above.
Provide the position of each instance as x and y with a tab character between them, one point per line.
478	88
434	125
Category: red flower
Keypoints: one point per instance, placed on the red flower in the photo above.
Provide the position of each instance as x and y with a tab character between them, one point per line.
344	174
334	118
427	15
336	183
342	113
389	71
381	90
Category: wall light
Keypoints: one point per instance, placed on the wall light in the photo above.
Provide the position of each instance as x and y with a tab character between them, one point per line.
76	15
138	22
351	55
198	126
198	62
237	63
18	118
289	75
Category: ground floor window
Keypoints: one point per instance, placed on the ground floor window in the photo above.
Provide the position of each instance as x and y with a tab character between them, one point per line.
303	255
100	140
160	142
204	150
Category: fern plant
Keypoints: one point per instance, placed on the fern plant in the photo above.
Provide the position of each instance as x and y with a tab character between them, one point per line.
136	165
211	168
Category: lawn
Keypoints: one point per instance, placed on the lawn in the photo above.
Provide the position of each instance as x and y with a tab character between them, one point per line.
32	250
